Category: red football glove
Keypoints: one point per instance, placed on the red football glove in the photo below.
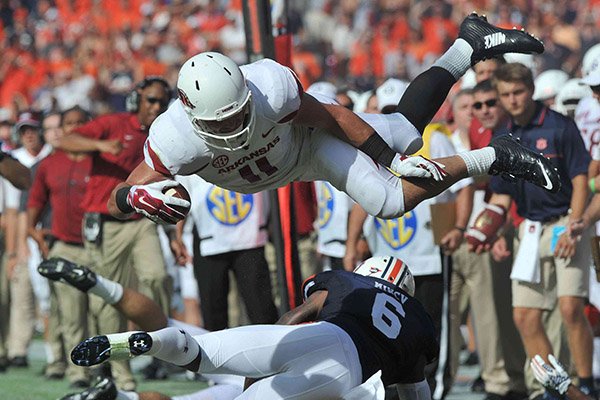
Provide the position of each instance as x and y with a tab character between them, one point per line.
486	226
150	201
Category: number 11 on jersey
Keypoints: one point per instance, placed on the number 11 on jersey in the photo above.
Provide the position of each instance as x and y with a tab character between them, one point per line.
263	165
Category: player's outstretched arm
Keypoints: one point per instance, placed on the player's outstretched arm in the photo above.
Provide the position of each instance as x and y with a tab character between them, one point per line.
143	192
336	120
349	127
75	142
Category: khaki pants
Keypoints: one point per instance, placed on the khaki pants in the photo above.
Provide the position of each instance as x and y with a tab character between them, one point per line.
307	254
501	354
69	314
558	278
129	252
22	312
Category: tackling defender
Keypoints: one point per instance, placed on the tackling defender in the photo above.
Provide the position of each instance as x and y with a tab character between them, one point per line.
364	324
252	128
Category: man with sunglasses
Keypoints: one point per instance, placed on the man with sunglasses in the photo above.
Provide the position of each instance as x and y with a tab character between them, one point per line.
115	143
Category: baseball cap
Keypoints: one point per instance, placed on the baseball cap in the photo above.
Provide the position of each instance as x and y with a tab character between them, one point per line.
27	118
390	92
593	77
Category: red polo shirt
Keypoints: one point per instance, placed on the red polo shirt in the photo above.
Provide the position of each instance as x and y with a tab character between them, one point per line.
479	137
109	170
62	181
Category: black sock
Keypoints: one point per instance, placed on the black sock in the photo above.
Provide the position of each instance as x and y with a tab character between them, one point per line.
425	95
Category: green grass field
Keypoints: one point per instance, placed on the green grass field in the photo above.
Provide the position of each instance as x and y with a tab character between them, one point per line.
30	384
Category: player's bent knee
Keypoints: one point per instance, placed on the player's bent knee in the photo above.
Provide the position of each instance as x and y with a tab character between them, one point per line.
393	205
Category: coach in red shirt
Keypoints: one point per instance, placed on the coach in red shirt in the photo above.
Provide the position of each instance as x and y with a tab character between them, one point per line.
60	182
115	142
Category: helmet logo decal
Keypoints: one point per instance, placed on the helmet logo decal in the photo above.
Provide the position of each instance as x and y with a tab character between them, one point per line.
374	270
220	161
185	99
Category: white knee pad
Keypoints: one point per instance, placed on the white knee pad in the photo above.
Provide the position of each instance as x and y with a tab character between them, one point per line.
393	206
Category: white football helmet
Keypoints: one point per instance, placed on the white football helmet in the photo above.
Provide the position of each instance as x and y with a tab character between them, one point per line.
569	96
388	268
548	84
217	100
591	55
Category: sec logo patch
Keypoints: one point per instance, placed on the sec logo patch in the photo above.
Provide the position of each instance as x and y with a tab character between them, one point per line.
398	232
227	207
325	204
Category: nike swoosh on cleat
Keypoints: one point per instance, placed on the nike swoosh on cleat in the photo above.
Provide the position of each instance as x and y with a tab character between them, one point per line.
548	185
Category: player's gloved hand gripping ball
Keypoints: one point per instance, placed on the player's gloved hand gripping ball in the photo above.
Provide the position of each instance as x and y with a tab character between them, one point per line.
164	202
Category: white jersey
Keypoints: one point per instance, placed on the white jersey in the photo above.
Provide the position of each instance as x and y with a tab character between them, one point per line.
280	152
273	149
332	219
587	118
226	221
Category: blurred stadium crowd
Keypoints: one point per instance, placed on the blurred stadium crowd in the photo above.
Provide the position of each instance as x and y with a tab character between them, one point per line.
86	57
97	50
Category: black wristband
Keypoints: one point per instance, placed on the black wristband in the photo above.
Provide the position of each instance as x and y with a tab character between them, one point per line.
121	200
463	230
376	148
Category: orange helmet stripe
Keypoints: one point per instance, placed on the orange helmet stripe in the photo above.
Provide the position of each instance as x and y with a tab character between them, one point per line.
395	271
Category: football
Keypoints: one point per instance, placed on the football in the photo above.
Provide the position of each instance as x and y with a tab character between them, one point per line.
181	192
486	226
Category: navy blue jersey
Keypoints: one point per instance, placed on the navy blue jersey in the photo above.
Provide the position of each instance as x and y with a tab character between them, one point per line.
556	137
391	330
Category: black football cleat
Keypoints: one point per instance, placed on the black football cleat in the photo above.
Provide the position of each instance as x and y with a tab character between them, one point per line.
105	389
489	41
513	161
116	346
59	269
